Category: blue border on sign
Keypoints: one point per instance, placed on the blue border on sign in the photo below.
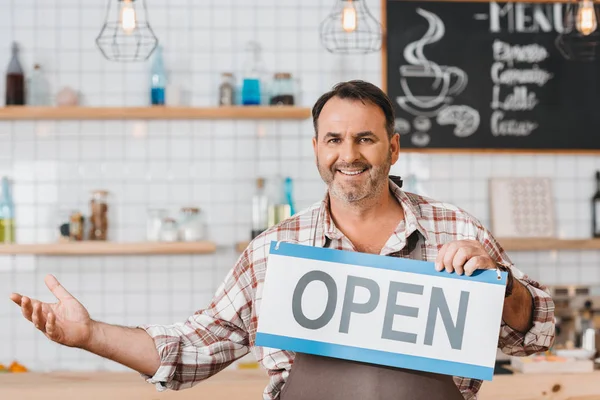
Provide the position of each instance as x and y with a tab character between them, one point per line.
383	262
374	356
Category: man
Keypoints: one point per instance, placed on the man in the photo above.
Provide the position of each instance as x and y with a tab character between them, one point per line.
364	210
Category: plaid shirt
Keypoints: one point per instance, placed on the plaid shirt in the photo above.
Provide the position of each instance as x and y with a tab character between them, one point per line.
213	338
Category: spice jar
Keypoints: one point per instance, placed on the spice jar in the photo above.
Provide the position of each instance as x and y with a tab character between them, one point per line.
168	232
191	227
282	91
226	89
76	226
99	217
154	224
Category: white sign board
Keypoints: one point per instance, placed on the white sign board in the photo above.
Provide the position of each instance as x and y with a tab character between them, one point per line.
382	310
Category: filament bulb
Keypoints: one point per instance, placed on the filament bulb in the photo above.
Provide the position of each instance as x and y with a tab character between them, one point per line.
586	17
128	16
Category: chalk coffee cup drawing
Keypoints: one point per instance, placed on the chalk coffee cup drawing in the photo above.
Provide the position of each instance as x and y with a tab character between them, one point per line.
429	88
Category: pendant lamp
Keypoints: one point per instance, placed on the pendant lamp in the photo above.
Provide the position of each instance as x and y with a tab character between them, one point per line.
350	28
126	34
580	38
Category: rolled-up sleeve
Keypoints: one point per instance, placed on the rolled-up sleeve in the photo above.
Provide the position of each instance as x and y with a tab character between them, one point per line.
541	335
208	341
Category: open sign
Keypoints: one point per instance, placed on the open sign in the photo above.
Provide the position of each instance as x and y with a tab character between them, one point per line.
382	310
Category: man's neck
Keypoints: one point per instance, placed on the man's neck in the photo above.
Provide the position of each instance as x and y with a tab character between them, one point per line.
367	211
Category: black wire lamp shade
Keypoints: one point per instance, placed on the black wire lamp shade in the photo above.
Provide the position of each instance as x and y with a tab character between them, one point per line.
126	34
350	28
574	45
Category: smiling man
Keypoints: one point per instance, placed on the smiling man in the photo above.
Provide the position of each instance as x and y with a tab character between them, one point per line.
364	210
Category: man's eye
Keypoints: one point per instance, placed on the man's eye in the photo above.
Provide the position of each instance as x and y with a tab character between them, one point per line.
365	140
333	141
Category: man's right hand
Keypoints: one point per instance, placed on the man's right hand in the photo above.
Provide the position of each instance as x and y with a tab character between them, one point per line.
66	322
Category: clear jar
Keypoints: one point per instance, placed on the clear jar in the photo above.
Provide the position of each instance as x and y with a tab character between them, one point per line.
282	90
191	226
227	90
99	215
168	232
154	223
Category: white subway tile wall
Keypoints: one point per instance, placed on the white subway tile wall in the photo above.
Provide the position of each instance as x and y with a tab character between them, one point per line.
211	164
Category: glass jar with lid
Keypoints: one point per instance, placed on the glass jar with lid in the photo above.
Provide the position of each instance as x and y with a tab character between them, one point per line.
168	230
191	226
282	90
99	215
154	223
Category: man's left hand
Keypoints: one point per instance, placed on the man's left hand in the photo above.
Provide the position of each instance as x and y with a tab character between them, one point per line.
463	256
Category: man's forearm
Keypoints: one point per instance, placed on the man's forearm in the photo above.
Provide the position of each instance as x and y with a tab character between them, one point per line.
518	308
132	347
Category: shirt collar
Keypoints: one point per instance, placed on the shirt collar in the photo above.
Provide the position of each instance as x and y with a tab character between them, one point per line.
412	214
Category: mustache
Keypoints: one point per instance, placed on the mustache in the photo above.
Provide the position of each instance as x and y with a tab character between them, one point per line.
356	165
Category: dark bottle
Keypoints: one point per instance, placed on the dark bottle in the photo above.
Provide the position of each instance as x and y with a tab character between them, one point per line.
15	80
596	208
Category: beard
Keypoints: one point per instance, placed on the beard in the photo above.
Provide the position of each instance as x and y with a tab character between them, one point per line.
375	181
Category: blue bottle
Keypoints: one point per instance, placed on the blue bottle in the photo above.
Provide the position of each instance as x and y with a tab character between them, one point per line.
251	88
158	79
7	214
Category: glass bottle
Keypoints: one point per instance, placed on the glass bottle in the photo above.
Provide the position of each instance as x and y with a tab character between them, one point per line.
158	79
251	85
15	80
38	91
99	215
260	209
227	90
282	91
7	214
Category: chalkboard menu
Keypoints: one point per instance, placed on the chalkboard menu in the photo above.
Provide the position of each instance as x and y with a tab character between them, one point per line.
475	75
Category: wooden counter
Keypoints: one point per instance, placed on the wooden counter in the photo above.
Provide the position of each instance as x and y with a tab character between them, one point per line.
248	385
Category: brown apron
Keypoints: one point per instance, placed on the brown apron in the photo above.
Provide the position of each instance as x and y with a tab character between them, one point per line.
324	378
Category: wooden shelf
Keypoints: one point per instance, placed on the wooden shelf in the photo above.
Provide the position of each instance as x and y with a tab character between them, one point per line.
510	244
158	112
108	248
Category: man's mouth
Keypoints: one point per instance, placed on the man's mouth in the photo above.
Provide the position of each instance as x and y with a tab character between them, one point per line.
352	172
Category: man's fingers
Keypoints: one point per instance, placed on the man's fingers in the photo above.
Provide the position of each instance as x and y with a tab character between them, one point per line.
51	325
449	257
34	316
37	317
460	259
16	298
439	261
26	307
472	265
56	288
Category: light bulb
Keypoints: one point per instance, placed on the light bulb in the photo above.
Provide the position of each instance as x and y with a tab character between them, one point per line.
127	16
586	17
349	17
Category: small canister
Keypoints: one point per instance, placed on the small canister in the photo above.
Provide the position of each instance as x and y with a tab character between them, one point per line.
76	226
168	232
191	227
282	91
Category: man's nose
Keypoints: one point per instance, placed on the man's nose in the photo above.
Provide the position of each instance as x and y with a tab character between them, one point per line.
349	152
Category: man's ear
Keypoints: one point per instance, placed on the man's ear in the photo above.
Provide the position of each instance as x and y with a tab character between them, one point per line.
395	147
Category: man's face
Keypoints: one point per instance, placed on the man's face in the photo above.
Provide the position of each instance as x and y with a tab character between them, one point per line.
352	149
